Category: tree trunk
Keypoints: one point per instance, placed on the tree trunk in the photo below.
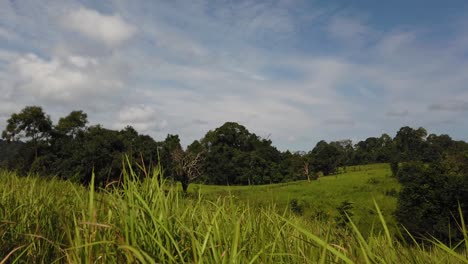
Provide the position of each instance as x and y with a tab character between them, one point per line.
306	170
185	183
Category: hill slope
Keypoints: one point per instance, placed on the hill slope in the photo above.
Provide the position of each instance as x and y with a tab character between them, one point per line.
360	185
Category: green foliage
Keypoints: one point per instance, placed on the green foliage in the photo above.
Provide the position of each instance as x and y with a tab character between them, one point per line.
394	166
344	213
296	207
232	155
30	124
374	150
325	158
71	150
7	151
429	200
235	156
72	124
410	143
168	146
294	166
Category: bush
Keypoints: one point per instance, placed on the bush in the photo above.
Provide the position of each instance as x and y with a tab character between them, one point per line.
344	213
296	207
429	200
394	168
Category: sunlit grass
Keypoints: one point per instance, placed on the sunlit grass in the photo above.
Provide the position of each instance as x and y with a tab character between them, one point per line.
360	185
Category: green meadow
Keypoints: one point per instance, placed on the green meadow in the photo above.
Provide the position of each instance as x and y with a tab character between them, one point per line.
146	221
359	185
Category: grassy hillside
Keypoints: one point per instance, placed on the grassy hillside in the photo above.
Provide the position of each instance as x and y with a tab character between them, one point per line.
360	185
52	221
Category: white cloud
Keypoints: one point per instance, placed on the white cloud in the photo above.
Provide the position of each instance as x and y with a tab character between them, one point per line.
141	117
64	78
48	79
109	29
82	62
137	114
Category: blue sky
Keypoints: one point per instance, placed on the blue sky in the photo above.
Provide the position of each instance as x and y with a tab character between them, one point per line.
294	71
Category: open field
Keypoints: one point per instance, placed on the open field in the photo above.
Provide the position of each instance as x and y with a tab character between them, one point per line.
360	185
52	221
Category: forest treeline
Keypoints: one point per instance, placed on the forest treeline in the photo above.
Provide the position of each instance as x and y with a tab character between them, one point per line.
432	169
228	155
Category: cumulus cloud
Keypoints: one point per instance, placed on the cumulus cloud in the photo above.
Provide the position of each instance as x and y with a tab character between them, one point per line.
141	117
109	29
63	79
47	79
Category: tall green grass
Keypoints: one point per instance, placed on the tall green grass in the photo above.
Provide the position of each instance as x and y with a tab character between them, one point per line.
149	221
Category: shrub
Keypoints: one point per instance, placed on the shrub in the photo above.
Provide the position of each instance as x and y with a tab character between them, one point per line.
394	168
344	213
296	207
428	204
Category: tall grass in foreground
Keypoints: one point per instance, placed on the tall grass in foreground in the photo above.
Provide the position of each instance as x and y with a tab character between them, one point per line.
52	221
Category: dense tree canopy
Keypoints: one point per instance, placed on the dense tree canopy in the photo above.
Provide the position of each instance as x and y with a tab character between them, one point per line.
236	156
72	124
325	157
428	204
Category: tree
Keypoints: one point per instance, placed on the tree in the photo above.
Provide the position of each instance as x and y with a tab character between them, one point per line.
306	166
142	150
345	148
187	166
30	124
430	196
99	150
236	156
168	146
33	126
438	147
72	124
433	172
410	143
367	151
8	150
294	166
325	158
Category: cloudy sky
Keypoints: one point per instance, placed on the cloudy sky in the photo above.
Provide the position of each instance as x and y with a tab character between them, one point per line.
293	71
